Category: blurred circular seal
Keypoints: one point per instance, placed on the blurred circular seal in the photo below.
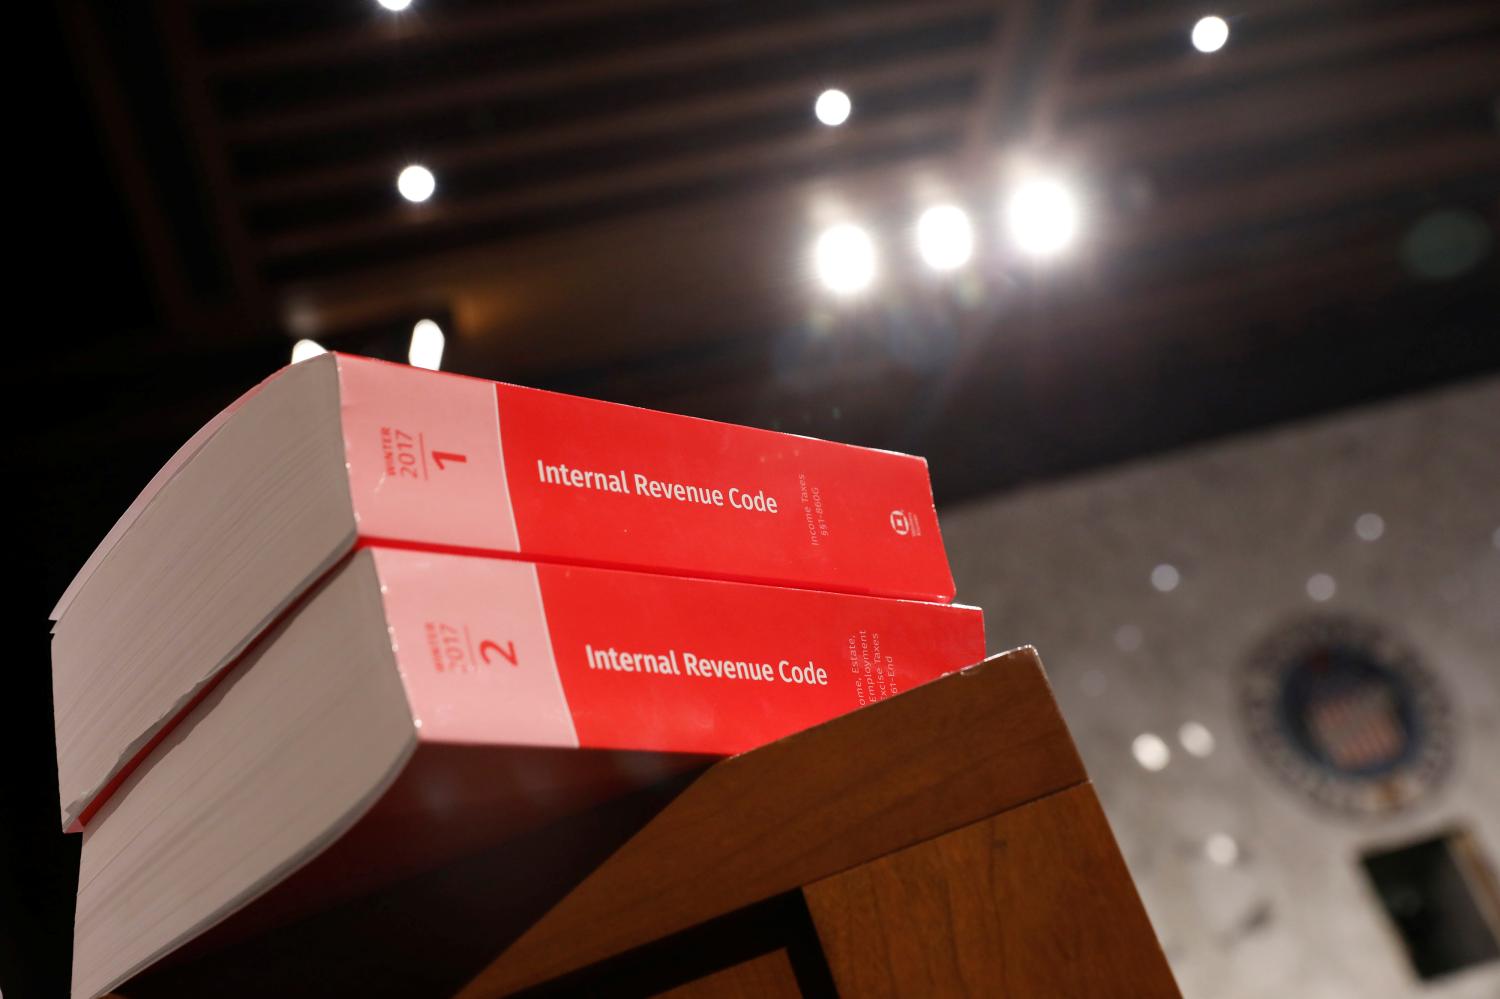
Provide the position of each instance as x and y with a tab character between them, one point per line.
1345	712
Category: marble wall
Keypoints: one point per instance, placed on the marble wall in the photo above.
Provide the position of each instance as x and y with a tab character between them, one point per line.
1255	890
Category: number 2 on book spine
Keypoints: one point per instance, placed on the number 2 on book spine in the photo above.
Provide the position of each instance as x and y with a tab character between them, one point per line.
489	649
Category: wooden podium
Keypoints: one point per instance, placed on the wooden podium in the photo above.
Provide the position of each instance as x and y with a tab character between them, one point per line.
943	842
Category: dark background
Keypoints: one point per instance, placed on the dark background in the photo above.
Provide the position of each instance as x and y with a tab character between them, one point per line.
1303	221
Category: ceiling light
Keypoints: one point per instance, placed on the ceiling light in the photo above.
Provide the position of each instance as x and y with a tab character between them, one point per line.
1369	526
426	345
303	349
1043	217
416	183
1151	751
394	4
1128	637
1321	587
1210	34
833	107
945	237
1221	849
1196	738
844	258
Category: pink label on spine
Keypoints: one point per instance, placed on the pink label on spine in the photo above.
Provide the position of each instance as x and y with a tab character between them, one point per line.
473	649
424	456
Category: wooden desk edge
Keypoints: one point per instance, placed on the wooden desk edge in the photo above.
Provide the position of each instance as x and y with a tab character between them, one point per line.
931	760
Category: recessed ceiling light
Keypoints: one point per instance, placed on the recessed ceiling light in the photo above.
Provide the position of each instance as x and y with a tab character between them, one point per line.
394	4
945	237
833	107
1151	751
416	183
844	259
1043	217
303	349
1369	526
1128	637
1210	33
1321	587
1196	738
1221	849
426	349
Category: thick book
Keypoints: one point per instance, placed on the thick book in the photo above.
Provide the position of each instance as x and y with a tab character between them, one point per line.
339	450
417	706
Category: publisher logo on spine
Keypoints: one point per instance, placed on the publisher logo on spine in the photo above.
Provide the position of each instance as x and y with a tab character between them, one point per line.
905	523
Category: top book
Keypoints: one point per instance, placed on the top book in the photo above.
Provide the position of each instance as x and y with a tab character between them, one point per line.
340	451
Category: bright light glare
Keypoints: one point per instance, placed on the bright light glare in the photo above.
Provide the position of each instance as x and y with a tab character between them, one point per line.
416	183
1151	751
945	237
303	349
833	107
1043	217
1369	526
394	4
426	345
1210	34
1165	577
1196	738
1321	587
1221	849
844	258
1128	637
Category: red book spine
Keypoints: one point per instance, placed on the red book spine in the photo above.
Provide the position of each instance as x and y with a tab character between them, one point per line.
466	465
503	651
508	653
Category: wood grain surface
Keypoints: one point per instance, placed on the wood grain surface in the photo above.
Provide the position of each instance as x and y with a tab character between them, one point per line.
1032	902
769	976
934	759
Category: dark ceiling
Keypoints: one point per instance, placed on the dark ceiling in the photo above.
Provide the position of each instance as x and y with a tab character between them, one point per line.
628	190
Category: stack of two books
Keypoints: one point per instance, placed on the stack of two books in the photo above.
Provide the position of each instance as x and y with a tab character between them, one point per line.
382	617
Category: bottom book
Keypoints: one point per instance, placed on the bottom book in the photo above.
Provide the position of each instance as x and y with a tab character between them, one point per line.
419	707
